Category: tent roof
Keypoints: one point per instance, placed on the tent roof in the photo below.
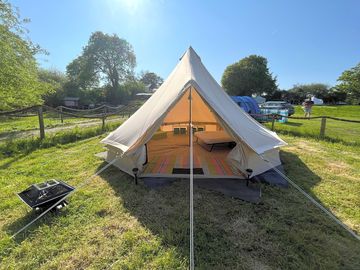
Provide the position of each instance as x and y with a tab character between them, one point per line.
190	71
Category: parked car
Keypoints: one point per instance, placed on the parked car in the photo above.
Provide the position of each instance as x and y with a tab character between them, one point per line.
280	105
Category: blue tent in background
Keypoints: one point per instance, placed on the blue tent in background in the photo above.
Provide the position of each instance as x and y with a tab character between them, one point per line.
248	104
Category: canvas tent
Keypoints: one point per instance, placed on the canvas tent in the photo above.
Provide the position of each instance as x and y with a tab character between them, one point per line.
317	101
155	139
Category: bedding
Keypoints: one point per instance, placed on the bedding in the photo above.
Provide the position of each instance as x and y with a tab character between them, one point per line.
213	137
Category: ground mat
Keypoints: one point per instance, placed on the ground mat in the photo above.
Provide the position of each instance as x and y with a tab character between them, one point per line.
235	188
273	178
158	182
187	171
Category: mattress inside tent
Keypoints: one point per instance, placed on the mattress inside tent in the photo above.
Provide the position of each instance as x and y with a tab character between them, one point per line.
213	137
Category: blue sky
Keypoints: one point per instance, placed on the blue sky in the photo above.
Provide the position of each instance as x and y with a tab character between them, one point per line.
304	41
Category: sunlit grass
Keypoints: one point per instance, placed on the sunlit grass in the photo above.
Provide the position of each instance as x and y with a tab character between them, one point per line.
16	124
335	130
113	222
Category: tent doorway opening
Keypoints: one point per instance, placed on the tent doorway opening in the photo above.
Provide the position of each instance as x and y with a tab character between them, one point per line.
168	151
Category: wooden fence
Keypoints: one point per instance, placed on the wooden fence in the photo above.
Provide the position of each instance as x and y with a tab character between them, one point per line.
274	117
104	111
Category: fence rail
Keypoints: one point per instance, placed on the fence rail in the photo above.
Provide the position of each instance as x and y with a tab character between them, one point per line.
304	118
276	116
105	111
10	113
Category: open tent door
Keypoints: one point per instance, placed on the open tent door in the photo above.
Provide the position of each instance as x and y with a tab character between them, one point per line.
168	150
166	115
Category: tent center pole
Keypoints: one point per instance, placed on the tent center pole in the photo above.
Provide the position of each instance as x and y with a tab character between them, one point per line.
191	173
190	116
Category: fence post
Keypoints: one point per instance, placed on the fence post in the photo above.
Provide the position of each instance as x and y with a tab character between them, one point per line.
103	122
273	122
323	126
61	115
103	119
41	123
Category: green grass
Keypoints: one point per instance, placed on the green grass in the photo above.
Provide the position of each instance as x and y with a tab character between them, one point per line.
335	130
24	146
344	111
113	222
16	124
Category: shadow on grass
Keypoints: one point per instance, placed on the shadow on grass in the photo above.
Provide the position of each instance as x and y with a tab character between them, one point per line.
14	227
296	170
12	160
11	135
230	233
283	231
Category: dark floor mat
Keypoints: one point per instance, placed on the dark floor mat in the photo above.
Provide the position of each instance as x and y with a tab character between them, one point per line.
273	178
187	171
157	182
235	188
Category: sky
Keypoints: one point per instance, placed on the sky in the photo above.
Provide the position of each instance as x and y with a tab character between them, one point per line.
304	41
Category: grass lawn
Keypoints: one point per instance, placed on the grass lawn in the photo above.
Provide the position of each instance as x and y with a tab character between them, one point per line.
112	222
335	130
14	124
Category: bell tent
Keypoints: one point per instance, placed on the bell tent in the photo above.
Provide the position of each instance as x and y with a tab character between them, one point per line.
227	141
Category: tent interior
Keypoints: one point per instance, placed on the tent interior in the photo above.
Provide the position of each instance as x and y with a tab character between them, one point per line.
168	151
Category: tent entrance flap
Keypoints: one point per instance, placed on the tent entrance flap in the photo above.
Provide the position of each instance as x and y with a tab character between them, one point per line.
165	117
168	149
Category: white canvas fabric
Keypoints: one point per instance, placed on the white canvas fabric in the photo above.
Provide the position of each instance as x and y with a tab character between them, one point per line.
129	139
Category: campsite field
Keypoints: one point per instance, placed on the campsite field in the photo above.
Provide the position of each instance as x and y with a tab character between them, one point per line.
13	125
51	119
335	130
113	223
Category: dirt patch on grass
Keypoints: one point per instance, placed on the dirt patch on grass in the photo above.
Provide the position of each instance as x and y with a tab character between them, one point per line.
339	167
308	147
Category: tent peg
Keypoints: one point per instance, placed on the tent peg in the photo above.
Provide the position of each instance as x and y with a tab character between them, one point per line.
249	173
135	172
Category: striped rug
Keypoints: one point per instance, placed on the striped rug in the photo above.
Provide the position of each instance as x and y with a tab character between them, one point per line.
210	165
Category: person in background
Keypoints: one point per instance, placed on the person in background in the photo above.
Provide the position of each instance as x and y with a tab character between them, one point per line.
307	106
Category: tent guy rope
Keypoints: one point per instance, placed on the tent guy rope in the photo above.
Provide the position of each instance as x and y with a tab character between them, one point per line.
85	182
321	207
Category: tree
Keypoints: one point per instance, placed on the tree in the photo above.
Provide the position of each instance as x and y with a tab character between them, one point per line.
151	79
82	74
57	80
350	83
249	76
335	95
105	58
19	82
299	92
124	92
318	90
277	95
